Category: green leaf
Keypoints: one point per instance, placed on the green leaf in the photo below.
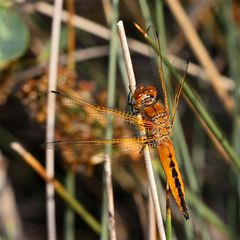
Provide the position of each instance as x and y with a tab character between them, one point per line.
14	36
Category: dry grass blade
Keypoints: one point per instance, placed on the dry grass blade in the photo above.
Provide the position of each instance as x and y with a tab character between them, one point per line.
201	53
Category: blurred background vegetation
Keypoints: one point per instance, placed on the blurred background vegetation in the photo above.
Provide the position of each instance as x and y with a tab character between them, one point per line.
210	171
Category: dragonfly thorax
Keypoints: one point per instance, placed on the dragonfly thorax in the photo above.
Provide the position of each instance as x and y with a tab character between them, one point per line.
153	112
161	133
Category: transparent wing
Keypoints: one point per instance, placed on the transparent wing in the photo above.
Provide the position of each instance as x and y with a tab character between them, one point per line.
70	145
180	86
76	104
70	104
89	148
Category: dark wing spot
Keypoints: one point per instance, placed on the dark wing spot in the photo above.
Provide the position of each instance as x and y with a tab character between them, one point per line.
172	164
177	183
174	173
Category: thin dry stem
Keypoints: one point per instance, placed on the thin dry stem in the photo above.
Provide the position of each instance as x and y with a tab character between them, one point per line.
111	13
196	15
31	161
147	157
107	9
109	188
71	35
77	21
126	55
151	219
53	69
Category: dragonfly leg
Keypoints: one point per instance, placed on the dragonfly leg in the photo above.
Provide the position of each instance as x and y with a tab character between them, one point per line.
143	146
131	102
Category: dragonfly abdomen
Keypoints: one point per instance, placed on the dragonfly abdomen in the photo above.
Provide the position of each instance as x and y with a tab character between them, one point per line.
174	178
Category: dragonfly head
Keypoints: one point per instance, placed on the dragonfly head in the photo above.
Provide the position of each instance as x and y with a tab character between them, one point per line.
145	96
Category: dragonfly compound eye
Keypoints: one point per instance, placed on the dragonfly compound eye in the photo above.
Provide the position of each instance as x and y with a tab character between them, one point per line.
151	91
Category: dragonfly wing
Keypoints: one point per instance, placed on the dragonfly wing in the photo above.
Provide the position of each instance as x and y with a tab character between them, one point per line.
89	148
75	104
180	86
174	178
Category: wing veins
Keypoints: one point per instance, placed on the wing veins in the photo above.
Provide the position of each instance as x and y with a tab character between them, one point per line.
70	144
100	111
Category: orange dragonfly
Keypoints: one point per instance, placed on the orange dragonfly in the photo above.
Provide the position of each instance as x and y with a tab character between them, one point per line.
155	119
158	134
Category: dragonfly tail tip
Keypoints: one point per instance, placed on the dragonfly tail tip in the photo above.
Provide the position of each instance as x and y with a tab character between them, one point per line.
186	215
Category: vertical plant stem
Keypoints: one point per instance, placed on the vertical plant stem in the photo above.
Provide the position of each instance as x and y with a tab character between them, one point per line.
160	21
148	163
104	216
107	8
151	218
111	103
69	220
71	35
127	57
146	12
53	68
233	50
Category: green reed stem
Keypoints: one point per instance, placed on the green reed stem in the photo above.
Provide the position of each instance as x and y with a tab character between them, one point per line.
108	229
70	177
230	31
69	219
78	208
146	12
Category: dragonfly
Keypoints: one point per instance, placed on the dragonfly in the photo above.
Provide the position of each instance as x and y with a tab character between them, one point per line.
158	134
156	121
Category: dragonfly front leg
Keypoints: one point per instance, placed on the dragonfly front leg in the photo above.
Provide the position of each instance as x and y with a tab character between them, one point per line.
131	102
143	146
152	144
